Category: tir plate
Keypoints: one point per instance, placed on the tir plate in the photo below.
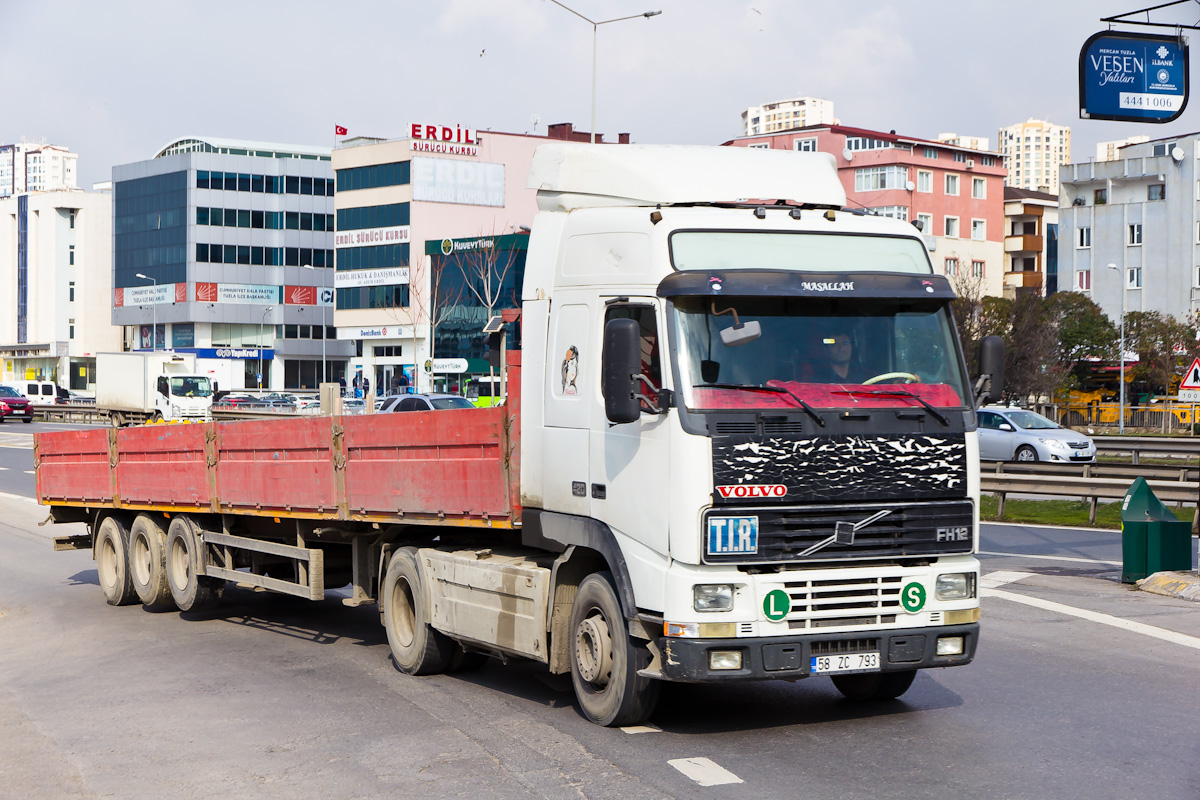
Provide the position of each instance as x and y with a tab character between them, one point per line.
848	662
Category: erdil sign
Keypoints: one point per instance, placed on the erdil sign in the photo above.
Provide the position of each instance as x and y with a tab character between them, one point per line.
1133	77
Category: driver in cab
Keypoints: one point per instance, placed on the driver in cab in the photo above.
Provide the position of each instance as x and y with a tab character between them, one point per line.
842	366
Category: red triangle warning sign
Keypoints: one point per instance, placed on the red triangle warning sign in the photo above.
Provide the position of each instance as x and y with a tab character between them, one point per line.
1191	378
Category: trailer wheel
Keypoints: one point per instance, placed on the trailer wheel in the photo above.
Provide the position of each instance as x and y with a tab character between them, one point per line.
148	562
417	648
874	685
605	660
191	592
112	562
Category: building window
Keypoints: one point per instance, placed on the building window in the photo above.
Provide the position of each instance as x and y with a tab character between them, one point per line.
931	152
71	254
979	188
924	181
70	329
869	179
805	145
977	269
951	266
960	157
1083	280
978	229
926	223
72	219
855	143
952	185
1100	197
895	212
1083	237
71	292
1156	191
1133	278
1135	233
951	230
988	161
1196	277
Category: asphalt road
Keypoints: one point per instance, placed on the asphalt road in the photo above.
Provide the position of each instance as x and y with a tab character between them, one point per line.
1082	688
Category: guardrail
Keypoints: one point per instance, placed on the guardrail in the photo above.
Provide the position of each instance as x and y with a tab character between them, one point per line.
1100	482
1136	445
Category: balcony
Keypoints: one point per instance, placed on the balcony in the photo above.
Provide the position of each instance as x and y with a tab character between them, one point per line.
1024	243
1023	280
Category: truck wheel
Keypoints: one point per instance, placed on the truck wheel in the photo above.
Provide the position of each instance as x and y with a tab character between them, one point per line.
874	685
604	659
148	562
417	648
191	592
112	562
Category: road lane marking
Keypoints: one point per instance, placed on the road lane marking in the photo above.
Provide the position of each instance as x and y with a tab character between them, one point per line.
647	728
1049	558
30	472
7	496
1095	616
704	772
1000	577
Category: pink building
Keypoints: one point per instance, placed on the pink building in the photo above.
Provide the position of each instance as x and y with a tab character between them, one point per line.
955	193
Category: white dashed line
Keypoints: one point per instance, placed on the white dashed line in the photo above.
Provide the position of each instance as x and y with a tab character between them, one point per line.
22	498
30	472
1093	616
642	729
1000	577
1049	558
704	771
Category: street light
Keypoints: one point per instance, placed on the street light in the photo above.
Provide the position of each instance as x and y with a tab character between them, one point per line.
324	327
1121	423
261	340
153	312
595	25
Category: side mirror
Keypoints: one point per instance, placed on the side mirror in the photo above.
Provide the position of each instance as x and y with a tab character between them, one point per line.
620	361
1004	426
991	369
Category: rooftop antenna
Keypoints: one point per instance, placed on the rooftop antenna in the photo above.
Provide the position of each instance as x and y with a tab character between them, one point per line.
535	119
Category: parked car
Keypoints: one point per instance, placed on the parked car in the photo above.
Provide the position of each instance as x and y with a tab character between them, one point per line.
17	403
5	410
1014	434
425	402
43	393
353	405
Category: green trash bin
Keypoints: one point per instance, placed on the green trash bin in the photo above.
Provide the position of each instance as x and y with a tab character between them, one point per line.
1153	539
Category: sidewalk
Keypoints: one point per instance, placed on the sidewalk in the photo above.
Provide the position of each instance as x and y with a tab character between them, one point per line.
1181	585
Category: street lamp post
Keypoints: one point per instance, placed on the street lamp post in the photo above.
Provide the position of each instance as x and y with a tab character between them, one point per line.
324	328
153	312
595	25
1121	422
261	340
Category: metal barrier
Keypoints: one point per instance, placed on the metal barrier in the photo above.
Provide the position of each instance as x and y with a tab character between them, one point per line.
1165	417
1136	445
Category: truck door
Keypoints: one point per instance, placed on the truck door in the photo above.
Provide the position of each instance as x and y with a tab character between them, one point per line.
629	462
162	397
571	391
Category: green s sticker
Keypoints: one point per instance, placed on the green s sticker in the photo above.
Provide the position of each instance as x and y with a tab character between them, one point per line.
912	597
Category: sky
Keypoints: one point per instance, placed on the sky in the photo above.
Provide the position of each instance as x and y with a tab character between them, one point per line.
115	81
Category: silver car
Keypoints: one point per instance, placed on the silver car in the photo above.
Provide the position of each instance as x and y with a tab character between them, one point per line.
1013	434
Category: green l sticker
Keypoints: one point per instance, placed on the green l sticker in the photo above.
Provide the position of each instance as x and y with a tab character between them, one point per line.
913	598
777	604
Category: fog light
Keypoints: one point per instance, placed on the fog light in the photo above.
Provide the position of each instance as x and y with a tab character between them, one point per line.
960	617
724	659
955	586
950	646
712	597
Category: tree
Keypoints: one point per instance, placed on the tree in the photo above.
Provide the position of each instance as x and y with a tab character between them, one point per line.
1083	332
1161	343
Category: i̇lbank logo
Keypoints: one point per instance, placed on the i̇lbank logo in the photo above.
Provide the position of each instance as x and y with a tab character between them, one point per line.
753	490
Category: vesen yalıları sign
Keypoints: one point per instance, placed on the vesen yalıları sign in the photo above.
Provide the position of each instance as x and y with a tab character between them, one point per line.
1133	77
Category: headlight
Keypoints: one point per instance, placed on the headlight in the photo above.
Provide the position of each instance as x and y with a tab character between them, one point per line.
1054	444
712	597
955	586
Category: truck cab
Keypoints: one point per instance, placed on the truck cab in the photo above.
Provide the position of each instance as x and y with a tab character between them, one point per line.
183	396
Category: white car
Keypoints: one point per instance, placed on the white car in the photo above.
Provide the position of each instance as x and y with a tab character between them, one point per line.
1013	434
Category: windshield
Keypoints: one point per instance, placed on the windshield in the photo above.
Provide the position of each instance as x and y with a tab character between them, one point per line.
849	352
191	387
804	252
7	392
1030	420
450	402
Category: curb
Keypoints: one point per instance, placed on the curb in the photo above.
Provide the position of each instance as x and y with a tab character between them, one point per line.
1180	585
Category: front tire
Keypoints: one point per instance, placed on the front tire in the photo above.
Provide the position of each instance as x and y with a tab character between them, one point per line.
1025	453
148	562
605	660
874	686
112	562
417	648
190	591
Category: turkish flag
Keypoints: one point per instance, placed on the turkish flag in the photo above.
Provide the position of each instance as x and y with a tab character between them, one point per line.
338	130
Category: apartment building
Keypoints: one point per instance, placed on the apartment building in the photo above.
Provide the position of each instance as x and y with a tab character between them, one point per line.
1033	151
784	115
1107	151
1030	242
955	194
31	167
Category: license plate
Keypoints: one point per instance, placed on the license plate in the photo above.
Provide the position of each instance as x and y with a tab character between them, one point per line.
850	662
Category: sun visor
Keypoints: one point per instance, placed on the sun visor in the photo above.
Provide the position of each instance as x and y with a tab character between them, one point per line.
788	283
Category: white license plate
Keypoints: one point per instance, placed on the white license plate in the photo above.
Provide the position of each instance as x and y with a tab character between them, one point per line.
850	662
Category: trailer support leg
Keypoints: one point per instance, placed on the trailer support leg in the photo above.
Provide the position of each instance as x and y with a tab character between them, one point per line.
360	556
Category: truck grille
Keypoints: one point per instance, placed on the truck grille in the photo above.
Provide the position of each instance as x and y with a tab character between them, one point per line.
843	603
906	531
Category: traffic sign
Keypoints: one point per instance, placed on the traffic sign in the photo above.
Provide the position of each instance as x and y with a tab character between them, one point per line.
1189	387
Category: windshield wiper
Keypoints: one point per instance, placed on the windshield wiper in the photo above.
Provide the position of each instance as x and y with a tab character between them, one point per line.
898	393
772	390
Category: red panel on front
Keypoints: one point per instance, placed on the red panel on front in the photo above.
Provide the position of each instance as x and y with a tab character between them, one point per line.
823	395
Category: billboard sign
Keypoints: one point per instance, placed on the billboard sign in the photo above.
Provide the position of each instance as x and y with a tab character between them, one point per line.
446	180
1133	77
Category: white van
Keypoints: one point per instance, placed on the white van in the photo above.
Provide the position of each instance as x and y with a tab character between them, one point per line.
42	393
